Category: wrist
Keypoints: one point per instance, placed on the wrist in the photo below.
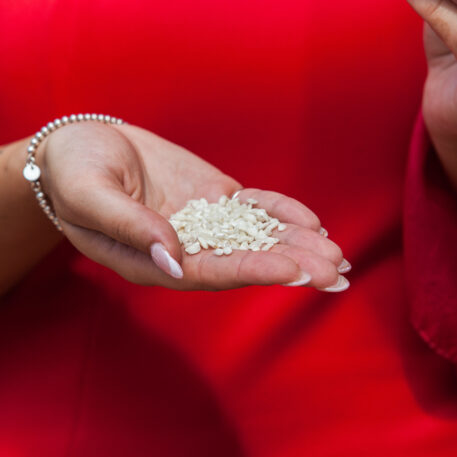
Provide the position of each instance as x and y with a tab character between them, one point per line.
29	211
32	172
27	235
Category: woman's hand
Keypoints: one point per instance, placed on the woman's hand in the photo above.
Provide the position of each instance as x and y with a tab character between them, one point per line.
440	92
114	188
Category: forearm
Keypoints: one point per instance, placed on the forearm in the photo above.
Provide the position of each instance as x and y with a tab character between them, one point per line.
26	235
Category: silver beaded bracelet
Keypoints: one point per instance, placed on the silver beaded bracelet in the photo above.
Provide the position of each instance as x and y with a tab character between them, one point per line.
32	171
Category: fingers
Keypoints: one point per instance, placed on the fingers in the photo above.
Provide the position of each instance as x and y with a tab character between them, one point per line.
310	240
324	273
202	271
108	210
304	240
284	208
242	268
283	264
441	15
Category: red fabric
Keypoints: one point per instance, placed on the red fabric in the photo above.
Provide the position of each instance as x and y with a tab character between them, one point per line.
313	99
431	246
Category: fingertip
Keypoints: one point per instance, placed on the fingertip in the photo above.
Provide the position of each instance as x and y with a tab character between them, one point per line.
165	261
303	280
344	267
161	231
314	221
340	285
280	269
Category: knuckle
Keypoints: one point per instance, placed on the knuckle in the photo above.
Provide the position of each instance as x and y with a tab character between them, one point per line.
122	232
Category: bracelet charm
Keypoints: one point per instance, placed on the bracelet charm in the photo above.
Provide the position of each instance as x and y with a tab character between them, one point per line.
32	171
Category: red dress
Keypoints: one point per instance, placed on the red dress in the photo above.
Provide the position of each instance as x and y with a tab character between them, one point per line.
313	99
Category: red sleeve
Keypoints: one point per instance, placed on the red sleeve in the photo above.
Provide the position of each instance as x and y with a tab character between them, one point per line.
430	239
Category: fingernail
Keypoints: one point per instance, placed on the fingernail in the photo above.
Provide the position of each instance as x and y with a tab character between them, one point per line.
165	261
344	267
304	278
323	232
339	286
235	195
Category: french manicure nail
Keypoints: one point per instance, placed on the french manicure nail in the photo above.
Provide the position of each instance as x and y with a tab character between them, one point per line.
344	267
165	261
304	279
323	232
339	286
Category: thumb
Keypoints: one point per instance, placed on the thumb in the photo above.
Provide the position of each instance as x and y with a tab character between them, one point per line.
122	218
441	34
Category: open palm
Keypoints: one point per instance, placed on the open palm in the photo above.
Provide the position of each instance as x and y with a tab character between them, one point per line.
114	188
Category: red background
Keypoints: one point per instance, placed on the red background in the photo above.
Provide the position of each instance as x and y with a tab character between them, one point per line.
313	99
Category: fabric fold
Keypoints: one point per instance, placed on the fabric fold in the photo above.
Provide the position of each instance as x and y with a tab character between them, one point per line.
430	239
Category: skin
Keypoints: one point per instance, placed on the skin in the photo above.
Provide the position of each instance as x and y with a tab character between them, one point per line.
440	91
25	236
113	189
